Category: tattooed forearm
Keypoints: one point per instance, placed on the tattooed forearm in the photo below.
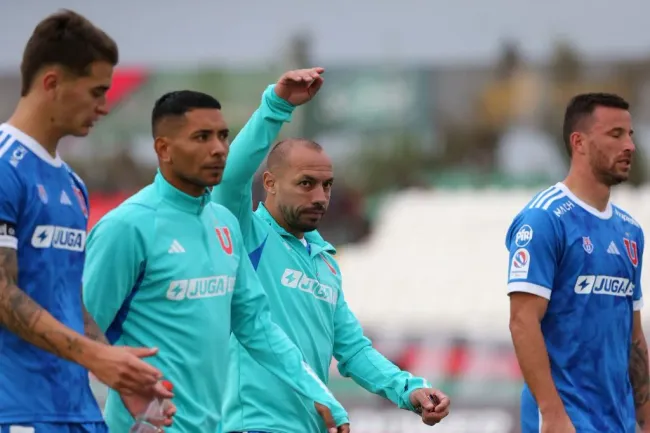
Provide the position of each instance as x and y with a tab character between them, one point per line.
91	328
24	317
640	378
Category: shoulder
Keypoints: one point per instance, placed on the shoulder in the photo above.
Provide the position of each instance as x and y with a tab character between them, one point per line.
625	218
539	218
137	214
12	152
628	223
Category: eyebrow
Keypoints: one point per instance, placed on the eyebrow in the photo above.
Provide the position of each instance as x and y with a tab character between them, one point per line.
620	129
210	131
313	179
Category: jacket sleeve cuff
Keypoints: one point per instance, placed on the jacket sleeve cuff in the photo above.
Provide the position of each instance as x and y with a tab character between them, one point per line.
412	384
279	108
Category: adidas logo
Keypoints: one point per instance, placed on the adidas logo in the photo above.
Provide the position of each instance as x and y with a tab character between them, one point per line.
612	249
175	248
65	199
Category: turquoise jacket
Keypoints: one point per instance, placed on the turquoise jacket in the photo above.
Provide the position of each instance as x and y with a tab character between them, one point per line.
168	270
306	298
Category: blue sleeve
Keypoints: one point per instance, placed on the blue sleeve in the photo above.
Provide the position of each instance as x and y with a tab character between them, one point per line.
637	296
268	344
11	192
535	248
247	152
115	260
367	367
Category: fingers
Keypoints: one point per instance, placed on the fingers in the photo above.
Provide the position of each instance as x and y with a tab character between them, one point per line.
170	411
161	391
304	75
326	414
421	400
431	418
316	85
444	401
345	428
141	352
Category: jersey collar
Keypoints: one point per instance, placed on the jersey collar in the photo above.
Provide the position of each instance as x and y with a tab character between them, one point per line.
178	198
606	214
312	237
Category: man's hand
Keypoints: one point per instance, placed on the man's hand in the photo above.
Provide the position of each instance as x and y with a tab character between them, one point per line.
326	414
560	423
298	87
122	369
137	403
432	410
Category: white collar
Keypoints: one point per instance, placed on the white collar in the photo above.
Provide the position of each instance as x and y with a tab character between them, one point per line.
606	214
34	146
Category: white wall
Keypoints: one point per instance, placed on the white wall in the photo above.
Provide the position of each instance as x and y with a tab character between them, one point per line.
438	259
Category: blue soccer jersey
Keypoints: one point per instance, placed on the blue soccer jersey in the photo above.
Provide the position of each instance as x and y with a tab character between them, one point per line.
587	263
43	214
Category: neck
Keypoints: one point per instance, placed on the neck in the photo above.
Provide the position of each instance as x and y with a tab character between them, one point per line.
35	122
274	210
587	188
182	184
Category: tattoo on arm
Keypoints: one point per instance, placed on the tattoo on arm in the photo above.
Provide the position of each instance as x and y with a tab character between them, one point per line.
24	317
91	328
639	376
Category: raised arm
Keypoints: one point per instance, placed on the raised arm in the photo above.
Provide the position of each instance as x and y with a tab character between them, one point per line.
252	144
270	346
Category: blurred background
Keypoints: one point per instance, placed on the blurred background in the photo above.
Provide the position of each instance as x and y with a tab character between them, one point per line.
443	119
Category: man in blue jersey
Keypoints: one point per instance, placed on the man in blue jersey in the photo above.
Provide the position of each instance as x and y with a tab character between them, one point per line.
300	275
48	341
575	286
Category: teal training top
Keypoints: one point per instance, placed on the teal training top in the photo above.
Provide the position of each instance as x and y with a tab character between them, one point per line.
304	290
168	270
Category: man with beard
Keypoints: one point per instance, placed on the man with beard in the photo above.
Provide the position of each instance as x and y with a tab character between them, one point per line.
167	268
574	286
300	276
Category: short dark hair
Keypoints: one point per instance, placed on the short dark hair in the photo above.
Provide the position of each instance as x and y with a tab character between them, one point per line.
582	106
280	150
69	40
179	102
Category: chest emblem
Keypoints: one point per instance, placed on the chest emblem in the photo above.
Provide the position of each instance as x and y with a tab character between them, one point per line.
587	245
223	234
632	252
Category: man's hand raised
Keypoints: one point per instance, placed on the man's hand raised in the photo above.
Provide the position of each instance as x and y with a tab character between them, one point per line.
299	86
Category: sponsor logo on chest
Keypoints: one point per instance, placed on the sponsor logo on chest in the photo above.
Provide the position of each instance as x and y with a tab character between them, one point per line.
62	238
200	288
294	279
604	285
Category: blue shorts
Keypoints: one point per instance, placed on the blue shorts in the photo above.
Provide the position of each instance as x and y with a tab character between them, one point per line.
91	427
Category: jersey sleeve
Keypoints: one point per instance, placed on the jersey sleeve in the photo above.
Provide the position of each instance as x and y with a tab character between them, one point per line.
247	152
11	191
365	365
534	246
267	343
637	296
115	261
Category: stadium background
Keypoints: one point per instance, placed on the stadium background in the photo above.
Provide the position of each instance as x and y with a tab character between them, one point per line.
442	119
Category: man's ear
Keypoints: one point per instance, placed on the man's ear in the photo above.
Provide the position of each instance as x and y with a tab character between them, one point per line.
161	146
268	180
